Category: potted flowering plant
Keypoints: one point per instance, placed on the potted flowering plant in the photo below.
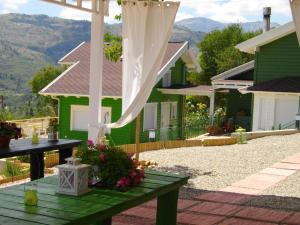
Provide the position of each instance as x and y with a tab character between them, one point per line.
111	167
7	132
53	130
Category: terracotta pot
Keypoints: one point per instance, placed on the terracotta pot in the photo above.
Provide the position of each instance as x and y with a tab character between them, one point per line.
4	141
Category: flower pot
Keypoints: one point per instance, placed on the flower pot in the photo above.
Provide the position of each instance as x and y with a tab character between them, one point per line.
4	141
53	136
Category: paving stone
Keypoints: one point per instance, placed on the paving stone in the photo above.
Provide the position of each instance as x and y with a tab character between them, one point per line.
259	181
224	197
289	166
151	204
293	220
185	203
214	208
278	172
127	220
141	212
241	190
236	221
292	159
198	219
266	215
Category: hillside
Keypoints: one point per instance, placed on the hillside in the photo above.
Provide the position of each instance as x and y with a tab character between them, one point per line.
201	24
29	42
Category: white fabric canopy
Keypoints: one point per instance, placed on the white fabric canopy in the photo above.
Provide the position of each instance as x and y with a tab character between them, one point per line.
147	27
295	7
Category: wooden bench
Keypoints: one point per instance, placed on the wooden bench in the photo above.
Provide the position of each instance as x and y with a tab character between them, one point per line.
96	207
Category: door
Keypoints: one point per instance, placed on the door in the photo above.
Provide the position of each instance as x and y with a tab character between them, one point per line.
165	120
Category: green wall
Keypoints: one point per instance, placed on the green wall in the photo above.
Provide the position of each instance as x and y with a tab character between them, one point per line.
278	59
126	135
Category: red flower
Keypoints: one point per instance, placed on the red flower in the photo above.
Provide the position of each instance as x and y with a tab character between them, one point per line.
102	157
101	147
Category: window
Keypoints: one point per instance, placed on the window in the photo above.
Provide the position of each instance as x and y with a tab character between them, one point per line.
79	117
167	79
174	110
150	116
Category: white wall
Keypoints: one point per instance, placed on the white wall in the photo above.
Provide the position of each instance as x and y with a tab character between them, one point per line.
273	109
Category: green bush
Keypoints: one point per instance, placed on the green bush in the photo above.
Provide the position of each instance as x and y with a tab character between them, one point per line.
11	169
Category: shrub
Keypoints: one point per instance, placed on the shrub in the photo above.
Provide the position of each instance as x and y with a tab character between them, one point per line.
11	169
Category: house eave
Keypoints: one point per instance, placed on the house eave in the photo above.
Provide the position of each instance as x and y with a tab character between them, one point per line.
251	45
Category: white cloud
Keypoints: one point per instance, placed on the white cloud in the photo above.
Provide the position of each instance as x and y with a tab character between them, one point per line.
234	10
8	6
69	13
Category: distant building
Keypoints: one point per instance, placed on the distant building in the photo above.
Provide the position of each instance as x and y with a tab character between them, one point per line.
162	116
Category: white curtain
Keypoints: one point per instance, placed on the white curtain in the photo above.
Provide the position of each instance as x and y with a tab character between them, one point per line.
147	27
295	7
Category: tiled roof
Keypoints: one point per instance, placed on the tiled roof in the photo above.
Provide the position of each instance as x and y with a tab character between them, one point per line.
286	85
75	81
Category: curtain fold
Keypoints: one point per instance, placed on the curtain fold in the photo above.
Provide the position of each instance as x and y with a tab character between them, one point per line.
147	28
295	7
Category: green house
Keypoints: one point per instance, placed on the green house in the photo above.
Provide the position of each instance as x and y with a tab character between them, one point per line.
264	94
162	116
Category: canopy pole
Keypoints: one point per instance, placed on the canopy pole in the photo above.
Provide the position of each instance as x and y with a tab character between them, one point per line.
96	72
137	136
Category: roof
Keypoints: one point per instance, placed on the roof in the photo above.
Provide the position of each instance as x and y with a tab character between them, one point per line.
282	85
252	44
201	90
234	71
75	80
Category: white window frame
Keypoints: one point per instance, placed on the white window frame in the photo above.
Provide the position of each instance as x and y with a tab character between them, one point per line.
167	79
175	105
85	108
155	116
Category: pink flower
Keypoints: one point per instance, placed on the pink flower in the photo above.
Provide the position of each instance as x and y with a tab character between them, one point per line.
132	174
90	143
102	157
130	155
121	183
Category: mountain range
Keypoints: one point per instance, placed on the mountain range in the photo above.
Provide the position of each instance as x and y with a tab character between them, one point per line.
29	42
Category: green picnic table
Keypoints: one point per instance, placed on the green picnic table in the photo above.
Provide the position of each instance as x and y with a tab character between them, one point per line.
96	207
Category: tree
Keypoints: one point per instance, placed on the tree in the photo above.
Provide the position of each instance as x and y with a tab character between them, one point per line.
46	105
218	52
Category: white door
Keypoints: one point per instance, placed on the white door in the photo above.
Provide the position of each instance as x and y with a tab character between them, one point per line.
286	109
266	119
165	120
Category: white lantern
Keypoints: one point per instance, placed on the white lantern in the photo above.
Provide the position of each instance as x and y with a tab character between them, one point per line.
73	177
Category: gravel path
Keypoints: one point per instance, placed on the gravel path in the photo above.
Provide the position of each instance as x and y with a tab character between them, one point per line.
212	168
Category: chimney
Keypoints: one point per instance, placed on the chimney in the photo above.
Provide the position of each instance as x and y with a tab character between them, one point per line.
267	18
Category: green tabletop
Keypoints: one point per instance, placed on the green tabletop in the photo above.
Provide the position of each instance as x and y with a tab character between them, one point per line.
96	207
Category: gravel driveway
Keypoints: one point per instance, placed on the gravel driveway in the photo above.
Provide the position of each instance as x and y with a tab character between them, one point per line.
212	168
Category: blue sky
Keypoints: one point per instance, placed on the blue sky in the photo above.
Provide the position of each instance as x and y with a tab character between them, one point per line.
220	10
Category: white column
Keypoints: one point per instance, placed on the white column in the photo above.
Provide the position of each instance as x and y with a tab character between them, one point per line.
96	71
211	108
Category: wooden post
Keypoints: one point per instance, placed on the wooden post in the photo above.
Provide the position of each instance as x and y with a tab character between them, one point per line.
211	108
96	71
137	136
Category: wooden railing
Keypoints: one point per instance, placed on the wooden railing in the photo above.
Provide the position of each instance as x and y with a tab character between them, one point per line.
28	125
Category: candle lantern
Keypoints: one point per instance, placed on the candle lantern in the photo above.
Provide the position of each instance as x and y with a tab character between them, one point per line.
73	177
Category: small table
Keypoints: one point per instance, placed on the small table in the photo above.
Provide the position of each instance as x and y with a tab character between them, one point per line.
36	152
95	207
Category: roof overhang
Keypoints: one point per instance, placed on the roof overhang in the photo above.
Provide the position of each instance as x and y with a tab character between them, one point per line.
251	45
201	90
234	71
245	91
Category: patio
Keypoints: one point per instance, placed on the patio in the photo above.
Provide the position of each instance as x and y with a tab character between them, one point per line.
262	188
